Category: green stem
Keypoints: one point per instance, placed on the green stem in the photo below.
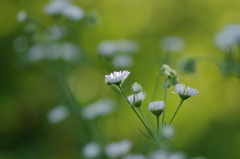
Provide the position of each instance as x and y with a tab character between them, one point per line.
165	101
182	100
158	131
145	119
149	130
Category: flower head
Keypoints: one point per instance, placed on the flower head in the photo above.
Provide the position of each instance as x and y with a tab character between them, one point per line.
185	93
116	78
136	87
91	150
118	149
173	44
156	107
136	99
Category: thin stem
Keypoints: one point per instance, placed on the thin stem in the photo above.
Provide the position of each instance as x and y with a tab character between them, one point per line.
149	130
156	85
182	100
145	119
158	129
70	96
165	100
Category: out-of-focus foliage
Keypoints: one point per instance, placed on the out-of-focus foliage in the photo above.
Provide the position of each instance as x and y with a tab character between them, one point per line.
207	125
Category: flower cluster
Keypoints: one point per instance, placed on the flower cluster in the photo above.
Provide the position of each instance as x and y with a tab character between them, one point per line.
157	107
118	52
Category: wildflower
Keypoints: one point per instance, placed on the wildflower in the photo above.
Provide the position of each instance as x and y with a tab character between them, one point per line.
56	7
118	149
136	87
73	12
170	74
177	155
173	44
91	150
107	49
21	16
122	61
127	46
185	93
116	78
156	107
228	37
188	65
136	99
100	108
135	156
168	131
159	155
57	114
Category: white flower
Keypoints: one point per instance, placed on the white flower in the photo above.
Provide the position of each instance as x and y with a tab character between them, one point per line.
118	149
135	156
107	49
127	46
136	87
156	107
73	12
185	93
177	155
21	16
136	99
228	37
116	78
173	44
91	150
56	7
122	61
100	108
69	51
36	53
57	114
199	157
159	155
168	131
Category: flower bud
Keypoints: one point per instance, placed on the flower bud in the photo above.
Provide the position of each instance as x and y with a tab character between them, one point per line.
156	107
136	87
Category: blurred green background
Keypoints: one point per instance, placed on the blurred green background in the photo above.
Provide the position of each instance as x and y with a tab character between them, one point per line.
206	125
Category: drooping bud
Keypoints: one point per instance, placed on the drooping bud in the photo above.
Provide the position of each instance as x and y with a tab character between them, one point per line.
136	87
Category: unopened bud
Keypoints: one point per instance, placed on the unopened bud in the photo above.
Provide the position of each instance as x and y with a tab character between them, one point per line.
136	88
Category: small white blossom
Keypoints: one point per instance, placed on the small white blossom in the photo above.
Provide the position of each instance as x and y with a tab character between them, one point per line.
107	49
36	53
69	51
127	46
156	107
116	77
91	150
185	93
168	131
57	114
136	88
118	149
177	155
56	7
199	157
122	61
228	37
21	16
135	156
173	44
73	12
159	155
136	99
100	108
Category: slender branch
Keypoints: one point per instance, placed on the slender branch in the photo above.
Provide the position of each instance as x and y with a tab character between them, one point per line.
165	101
149	130
176	111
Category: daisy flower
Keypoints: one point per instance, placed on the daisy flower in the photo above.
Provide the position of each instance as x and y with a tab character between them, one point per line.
116	78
